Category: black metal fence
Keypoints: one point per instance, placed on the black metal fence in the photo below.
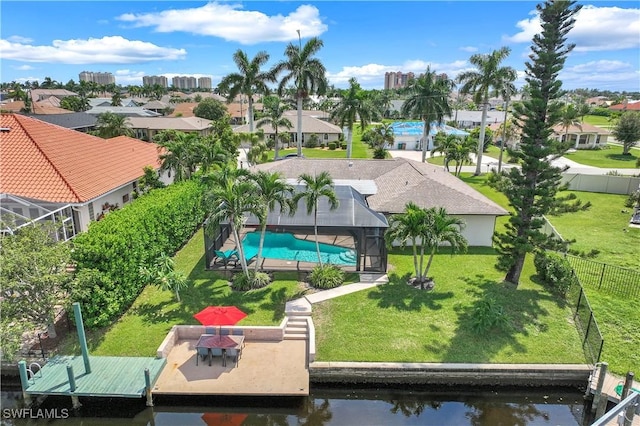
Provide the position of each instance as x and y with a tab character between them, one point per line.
585	321
614	279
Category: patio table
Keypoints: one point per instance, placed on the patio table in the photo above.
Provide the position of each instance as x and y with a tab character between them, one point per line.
210	341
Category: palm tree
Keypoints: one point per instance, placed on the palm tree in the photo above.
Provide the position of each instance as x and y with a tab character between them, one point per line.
429	100
271	189
489	78
109	125
507	89
353	105
381	136
461	152
570	116
116	99
444	145
181	154
231	197
305	72
249	81
273	117
442	228
406	228
320	186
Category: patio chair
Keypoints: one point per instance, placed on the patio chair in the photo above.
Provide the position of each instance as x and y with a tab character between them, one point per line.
235	353
226	256
202	352
217	352
210	330
238	332
224	332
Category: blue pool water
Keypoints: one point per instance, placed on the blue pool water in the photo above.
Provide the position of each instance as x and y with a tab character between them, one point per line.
285	246
415	128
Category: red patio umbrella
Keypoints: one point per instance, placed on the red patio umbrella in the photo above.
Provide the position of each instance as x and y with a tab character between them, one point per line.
223	419
220	315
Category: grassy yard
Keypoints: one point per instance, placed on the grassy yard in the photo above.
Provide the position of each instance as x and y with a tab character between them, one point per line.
609	158
359	149
398	323
598	120
617	316
142	328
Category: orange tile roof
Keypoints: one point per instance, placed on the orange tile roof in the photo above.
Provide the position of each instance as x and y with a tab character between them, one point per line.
627	106
50	163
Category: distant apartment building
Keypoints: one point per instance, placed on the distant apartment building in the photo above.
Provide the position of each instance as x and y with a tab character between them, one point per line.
152	80
102	78
184	82
397	80
204	83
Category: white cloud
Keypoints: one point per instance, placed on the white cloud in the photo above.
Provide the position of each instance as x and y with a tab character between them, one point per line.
19	39
470	49
105	50
596	29
23	67
605	75
371	76
231	23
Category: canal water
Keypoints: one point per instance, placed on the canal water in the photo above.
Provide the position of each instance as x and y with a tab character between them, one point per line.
324	406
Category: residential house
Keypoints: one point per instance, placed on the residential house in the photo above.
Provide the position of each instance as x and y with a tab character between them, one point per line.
106	102
146	128
130	111
311	125
466	119
626	106
53	173
388	185
80	121
582	136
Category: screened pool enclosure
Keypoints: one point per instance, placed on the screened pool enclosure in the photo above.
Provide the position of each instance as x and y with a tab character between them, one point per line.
352	237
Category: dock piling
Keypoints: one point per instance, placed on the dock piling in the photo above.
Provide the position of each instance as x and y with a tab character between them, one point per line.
626	391
147	382
598	391
24	382
81	336
72	379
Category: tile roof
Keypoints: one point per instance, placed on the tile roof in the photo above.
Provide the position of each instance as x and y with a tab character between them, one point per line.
399	181
626	106
47	162
581	129
69	120
184	109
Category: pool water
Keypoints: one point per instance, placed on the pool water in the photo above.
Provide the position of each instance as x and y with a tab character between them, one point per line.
285	246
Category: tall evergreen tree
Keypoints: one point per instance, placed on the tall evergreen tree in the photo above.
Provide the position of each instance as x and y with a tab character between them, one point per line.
532	188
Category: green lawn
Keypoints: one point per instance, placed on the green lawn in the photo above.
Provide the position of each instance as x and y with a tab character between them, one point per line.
398	323
601	227
359	149
598	120
608	158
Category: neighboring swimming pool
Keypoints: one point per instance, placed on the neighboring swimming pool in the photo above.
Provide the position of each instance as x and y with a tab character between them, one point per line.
286	246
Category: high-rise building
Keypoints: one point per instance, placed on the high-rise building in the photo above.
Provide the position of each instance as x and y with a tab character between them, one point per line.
102	78
152	80
396	80
204	83
184	82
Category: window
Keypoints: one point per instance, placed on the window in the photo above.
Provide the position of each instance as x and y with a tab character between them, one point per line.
326	136
34	213
125	198
91	213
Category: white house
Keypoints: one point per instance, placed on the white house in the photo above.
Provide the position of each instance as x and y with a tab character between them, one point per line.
53	173
409	134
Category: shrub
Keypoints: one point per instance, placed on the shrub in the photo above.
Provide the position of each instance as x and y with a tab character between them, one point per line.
332	146
344	146
326	276
312	141
488	315
555	272
255	280
159	222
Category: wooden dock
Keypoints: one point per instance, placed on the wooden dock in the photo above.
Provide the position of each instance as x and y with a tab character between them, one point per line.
121	377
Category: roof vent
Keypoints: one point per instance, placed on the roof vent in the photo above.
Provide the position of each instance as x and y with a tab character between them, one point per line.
5	129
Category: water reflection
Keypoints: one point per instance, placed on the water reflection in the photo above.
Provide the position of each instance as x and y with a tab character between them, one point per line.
330	406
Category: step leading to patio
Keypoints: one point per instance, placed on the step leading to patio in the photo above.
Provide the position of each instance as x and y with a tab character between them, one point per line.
296	328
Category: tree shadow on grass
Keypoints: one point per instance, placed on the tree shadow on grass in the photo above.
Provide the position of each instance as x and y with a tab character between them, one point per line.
522	307
399	295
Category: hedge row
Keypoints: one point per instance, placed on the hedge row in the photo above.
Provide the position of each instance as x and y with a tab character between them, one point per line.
109	255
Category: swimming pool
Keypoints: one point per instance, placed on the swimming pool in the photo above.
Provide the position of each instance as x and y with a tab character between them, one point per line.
415	128
285	246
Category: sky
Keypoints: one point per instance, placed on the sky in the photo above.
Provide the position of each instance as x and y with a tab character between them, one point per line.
362	39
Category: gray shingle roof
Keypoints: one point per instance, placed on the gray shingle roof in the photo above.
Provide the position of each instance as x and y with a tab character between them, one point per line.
309	125
399	181
74	120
